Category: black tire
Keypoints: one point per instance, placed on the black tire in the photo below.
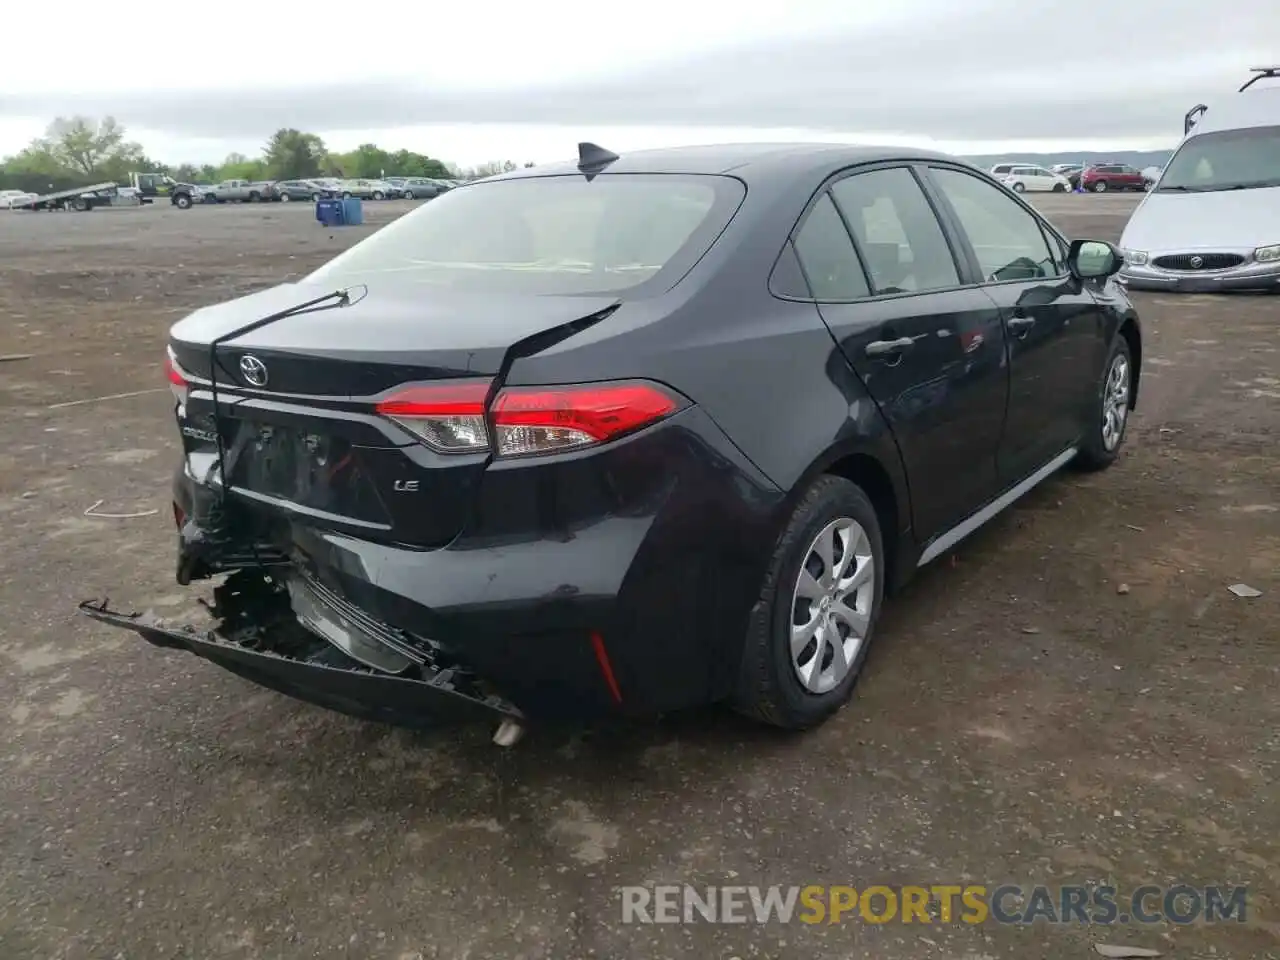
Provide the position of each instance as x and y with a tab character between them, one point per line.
182	201
377	195
768	688
1100	186
1059	188
1094	453
80	204
1019	186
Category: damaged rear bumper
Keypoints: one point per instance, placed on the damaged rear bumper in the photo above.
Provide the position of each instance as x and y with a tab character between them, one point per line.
283	655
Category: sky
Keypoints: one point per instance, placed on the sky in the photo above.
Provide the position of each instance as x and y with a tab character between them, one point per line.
510	79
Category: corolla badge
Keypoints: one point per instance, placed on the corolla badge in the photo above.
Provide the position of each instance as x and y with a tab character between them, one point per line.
253	370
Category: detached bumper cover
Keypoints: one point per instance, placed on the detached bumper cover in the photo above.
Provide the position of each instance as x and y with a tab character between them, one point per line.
304	666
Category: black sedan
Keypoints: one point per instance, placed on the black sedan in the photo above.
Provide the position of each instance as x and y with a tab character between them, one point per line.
632	434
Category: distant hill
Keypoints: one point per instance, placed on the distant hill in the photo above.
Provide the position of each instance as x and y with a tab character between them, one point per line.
1135	158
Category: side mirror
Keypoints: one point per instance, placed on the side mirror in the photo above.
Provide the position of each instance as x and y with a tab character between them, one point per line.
1094	259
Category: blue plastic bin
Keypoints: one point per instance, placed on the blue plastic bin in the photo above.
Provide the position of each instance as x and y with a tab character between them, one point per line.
352	211
329	212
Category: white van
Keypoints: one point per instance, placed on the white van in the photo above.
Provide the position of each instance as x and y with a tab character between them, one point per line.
1029	176
1212	220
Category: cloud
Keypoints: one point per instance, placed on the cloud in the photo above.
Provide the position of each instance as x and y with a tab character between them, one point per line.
983	70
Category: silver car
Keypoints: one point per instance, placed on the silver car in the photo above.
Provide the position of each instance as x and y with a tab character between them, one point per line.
367	189
1212	220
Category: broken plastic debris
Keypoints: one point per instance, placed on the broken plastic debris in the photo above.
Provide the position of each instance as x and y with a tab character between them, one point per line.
114	396
1244	590
1124	953
93	512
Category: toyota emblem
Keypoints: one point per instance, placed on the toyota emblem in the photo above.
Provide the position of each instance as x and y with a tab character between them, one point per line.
1197	262
253	370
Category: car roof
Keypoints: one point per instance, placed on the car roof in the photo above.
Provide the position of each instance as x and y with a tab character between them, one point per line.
749	161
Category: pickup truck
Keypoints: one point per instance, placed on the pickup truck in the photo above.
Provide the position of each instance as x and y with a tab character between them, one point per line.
250	191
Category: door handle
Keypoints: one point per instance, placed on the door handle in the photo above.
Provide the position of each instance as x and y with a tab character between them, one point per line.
1020	324
889	348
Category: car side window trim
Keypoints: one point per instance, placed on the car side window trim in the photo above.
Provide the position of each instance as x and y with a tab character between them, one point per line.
788	263
1048	233
853	238
789	257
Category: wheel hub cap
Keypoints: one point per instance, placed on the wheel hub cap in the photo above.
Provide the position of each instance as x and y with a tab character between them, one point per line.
831	605
1115	402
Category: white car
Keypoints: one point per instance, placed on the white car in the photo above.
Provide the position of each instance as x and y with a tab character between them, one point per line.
1212	222
1035	179
9	199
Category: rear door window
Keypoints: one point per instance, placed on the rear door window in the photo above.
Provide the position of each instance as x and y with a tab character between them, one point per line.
896	231
827	256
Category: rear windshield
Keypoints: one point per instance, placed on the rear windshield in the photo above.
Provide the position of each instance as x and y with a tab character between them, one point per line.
1225	160
550	235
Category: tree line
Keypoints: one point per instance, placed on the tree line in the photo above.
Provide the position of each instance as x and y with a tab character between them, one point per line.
77	151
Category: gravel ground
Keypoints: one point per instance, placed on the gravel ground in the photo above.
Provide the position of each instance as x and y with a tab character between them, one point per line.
1024	717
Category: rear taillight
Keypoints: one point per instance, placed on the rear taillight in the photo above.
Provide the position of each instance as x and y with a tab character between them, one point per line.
447	418
526	420
177	377
545	419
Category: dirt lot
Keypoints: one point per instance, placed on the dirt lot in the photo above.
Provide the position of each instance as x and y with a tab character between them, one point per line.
1024	718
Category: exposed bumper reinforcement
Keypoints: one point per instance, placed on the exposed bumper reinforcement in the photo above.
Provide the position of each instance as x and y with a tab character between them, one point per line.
319	674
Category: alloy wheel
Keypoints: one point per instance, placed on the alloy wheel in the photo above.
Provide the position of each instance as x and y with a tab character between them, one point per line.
1115	402
831	605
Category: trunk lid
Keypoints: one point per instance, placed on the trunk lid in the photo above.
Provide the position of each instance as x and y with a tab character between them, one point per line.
305	443
392	333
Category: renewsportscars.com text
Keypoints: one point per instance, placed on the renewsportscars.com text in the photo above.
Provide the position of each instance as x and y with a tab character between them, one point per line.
939	903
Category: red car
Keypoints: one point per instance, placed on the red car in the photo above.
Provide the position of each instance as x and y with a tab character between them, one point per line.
1112	176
